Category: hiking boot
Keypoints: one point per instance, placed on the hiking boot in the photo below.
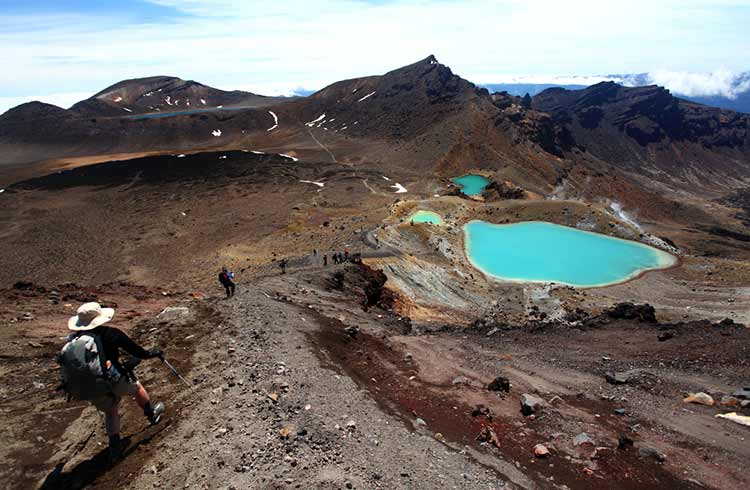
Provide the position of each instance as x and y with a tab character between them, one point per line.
116	448
155	415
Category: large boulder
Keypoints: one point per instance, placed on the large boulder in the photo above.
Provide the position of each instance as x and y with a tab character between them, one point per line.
175	314
630	311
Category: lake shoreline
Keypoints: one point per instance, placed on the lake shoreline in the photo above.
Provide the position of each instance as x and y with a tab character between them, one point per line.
665	260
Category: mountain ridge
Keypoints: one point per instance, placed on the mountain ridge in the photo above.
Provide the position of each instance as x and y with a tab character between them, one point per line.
738	88
424	118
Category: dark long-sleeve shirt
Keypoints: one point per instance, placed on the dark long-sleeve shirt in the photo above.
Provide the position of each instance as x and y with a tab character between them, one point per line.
113	340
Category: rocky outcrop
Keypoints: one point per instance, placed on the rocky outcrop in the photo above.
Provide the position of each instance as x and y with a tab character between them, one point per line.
640	127
400	104
500	191
629	311
527	125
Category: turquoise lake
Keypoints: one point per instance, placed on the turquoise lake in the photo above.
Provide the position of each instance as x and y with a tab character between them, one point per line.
471	185
537	251
430	217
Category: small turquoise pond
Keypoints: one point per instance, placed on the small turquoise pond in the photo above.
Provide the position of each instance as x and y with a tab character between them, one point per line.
426	217
536	251
471	184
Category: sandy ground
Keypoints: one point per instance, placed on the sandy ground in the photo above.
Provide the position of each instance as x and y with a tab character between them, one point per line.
286	397
320	378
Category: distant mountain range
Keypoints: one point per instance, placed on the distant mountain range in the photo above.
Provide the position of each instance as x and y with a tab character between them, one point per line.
606	140
715	89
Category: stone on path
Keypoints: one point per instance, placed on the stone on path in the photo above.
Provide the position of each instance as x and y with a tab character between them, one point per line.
531	404
700	398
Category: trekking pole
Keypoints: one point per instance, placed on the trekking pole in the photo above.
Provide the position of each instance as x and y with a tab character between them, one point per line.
174	371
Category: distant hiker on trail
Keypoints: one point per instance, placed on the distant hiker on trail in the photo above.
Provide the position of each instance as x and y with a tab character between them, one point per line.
346	255
225	278
282	264
91	369
325	260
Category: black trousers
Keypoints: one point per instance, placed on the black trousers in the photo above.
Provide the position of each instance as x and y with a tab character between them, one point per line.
230	289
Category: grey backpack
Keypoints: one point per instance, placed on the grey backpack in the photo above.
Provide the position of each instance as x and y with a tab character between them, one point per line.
85	373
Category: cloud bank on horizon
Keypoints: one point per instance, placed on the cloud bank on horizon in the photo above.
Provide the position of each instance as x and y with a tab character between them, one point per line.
56	51
720	83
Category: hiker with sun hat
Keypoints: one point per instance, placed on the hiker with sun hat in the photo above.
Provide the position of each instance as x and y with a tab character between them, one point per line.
91	369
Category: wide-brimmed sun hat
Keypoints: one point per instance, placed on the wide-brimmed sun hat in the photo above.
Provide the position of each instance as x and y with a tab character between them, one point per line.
90	316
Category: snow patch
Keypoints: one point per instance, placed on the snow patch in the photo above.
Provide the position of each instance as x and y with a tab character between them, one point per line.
275	121
289	157
126	109
399	188
188	102
258	152
203	101
168	100
366	96
344	128
219	106
316	120
223	157
2	190
118	99
319	184
386	178
181	155
216	132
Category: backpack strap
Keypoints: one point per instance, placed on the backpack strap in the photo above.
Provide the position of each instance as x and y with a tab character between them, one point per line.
102	359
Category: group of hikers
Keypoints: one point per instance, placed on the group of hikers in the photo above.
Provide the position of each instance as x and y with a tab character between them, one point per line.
226	277
92	370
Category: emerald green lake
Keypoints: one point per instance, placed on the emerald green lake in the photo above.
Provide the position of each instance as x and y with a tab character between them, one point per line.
471	184
537	251
426	217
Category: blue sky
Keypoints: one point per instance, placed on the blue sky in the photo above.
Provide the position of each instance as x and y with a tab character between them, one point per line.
64	50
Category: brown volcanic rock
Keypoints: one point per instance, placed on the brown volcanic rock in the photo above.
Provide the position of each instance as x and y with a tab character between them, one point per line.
425	119
162	94
400	104
32	111
642	127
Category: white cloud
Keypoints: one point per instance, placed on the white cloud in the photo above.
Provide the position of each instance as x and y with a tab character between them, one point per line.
311	43
720	82
548	79
274	89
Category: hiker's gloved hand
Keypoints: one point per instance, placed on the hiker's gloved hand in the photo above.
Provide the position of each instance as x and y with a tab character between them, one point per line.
156	353
131	363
